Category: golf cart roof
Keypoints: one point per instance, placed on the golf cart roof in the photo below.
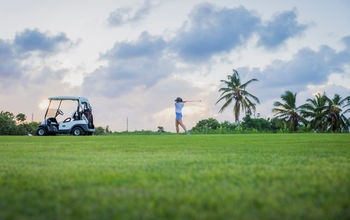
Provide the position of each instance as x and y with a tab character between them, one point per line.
81	99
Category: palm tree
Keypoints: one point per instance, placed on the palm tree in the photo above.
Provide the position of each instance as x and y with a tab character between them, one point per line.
347	109
347	105
316	110
235	91
288	111
336	119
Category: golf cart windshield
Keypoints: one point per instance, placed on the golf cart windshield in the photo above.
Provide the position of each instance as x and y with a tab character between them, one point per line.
52	109
64	107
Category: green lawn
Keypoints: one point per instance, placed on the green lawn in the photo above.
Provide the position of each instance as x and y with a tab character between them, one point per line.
247	176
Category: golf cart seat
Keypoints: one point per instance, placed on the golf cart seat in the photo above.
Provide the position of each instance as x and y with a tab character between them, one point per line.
76	116
52	121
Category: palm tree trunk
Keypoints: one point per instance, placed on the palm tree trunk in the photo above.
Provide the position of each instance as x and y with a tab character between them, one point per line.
236	110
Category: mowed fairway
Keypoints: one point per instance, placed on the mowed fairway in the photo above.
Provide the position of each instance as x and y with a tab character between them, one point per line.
247	176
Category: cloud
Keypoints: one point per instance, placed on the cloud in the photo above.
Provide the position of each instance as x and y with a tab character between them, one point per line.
23	85
307	67
16	66
34	40
141	63
282	27
346	41
145	46
5	50
210	30
343	57
126	15
9	66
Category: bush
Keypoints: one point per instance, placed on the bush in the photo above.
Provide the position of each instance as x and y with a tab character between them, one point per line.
99	131
27	128
248	125
207	124
7	123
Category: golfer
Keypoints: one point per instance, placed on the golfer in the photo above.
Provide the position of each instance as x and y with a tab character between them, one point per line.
179	104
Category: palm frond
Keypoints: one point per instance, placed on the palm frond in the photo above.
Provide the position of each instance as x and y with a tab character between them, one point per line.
252	96
227	103
227	96
247	83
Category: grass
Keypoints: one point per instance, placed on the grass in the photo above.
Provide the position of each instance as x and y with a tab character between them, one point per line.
251	176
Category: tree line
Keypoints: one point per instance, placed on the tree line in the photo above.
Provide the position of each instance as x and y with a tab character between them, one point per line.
319	114
11	124
247	125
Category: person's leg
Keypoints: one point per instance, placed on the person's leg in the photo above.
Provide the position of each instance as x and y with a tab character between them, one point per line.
182	124
177	127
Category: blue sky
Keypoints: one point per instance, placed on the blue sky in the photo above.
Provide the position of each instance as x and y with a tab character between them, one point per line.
132	58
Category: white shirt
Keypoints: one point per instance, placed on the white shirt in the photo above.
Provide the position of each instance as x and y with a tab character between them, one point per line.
178	107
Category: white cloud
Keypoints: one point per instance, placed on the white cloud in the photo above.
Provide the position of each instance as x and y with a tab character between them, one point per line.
126	15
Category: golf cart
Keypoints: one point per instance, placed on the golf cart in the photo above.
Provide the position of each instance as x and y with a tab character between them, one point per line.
80	122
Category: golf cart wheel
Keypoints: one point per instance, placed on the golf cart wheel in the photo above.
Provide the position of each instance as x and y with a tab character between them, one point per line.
41	132
77	131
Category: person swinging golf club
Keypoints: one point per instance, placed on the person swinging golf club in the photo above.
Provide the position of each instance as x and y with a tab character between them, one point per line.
179	104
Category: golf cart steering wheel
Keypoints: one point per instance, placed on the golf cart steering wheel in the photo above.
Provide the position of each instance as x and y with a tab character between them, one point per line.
60	112
67	120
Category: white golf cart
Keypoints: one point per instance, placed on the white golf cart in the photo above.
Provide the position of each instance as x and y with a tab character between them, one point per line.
80	122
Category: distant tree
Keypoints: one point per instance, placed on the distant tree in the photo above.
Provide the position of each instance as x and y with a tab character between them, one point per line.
32	127
315	109
337	121
27	128
99	131
278	124
347	105
107	131
7	123
209	123
228	125
235	91
161	129
288	111
22	129
21	117
260	124
8	114
347	110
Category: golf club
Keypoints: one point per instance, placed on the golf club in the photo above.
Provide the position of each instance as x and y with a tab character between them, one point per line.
194	101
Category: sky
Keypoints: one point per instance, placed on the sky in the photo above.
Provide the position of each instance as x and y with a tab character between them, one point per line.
132	58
